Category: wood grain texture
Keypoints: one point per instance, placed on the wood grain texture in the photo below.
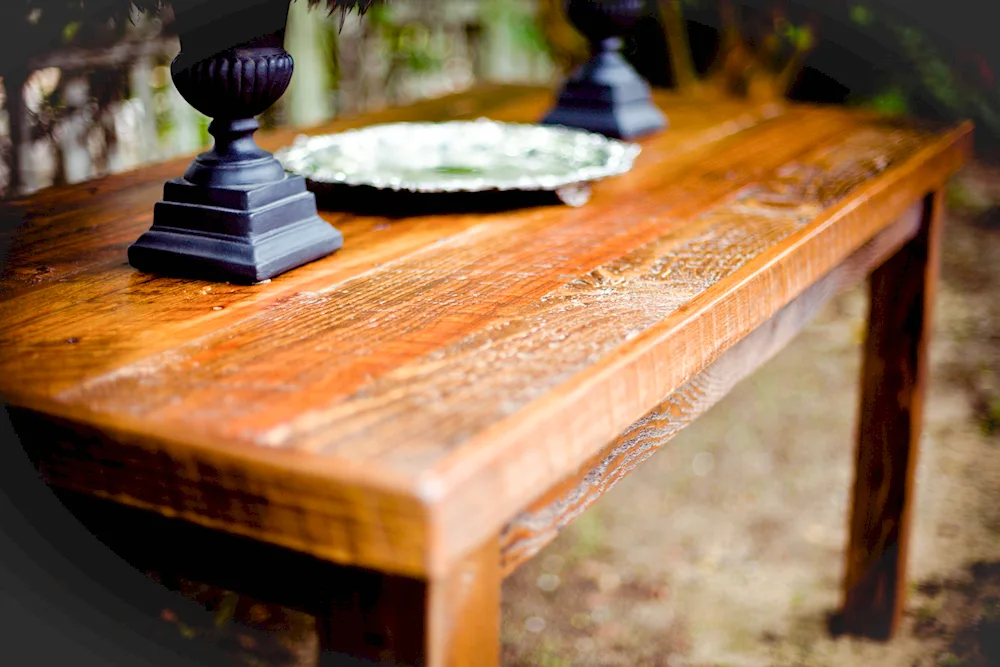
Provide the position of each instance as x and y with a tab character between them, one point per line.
363	328
103	290
106	215
893	385
452	621
539	524
463	610
661	358
397	404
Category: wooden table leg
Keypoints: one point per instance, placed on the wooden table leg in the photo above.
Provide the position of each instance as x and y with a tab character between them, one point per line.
893	383
450	622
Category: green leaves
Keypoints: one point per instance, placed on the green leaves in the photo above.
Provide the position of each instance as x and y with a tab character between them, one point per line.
227	609
800	37
70	30
861	15
925	70
890	103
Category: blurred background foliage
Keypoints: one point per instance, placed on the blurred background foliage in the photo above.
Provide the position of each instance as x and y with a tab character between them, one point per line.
86	88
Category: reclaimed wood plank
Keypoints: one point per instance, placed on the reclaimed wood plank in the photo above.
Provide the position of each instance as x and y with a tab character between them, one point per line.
450	621
893	385
185	310
109	213
360	329
47	231
540	523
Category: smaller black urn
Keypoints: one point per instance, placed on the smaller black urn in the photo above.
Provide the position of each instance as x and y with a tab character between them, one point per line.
606	94
236	215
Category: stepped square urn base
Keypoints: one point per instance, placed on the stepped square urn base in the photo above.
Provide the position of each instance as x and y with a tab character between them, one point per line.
239	234
608	96
235	215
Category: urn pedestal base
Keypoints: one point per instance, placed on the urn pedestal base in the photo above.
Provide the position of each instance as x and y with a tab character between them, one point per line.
237	234
235	215
606	95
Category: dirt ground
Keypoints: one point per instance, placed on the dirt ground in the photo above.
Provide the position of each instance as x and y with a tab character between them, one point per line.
726	548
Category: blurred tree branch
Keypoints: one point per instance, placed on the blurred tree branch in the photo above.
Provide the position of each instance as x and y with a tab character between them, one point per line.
743	68
678	46
764	72
567	47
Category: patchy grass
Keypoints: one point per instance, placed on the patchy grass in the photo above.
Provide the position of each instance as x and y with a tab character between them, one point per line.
966	612
572	606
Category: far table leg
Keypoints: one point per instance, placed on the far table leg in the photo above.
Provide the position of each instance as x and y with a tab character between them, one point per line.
893	383
450	622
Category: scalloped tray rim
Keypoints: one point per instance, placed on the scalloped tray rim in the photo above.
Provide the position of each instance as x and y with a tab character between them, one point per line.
621	159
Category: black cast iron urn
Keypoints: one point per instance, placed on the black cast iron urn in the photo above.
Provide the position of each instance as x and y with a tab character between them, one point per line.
235	215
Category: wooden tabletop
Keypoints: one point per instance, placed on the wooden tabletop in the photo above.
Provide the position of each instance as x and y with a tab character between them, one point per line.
395	404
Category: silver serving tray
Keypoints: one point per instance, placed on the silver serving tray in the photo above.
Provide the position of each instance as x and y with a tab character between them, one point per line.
461	156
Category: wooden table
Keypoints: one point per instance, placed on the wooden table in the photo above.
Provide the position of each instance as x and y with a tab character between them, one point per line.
398	426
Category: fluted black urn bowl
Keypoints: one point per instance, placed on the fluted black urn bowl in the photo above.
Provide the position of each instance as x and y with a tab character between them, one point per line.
235	215
606	94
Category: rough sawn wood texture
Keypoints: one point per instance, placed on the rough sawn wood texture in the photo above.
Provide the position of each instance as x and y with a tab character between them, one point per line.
397	405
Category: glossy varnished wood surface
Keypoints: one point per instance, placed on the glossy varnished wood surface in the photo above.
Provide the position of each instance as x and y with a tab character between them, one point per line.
538	524
399	403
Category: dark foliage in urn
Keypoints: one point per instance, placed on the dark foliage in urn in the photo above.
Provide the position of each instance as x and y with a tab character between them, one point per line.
236	214
606	94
